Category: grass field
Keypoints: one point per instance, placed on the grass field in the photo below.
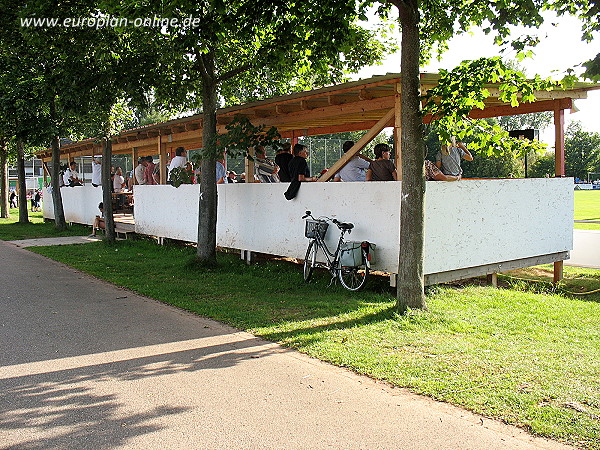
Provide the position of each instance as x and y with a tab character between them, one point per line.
587	207
527	354
11	230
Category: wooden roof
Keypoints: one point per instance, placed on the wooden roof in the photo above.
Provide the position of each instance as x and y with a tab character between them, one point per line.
356	105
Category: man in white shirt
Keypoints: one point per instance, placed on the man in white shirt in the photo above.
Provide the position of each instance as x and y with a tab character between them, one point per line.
96	172
138	172
355	169
71	177
178	161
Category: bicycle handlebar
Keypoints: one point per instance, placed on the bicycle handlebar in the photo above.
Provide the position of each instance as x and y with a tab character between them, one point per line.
336	222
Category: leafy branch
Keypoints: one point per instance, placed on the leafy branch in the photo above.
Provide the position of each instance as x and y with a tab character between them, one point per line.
466	88
242	135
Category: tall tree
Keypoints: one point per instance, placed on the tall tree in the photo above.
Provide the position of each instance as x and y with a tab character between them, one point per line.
23	216
79	73
237	44
424	26
4	205
582	151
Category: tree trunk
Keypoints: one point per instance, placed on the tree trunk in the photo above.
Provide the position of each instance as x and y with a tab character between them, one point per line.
109	222
206	253
4	206
59	213
23	215
410	290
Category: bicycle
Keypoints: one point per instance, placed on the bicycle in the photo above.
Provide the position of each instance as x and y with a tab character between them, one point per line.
350	262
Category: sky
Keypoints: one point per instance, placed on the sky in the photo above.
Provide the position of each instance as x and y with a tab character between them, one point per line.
560	48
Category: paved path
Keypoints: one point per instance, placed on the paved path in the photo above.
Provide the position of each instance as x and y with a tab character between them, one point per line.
67	240
85	364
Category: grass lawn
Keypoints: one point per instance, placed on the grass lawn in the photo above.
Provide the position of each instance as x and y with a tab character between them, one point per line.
587	207
526	354
11	230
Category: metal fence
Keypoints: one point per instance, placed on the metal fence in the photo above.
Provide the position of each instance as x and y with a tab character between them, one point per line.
323	153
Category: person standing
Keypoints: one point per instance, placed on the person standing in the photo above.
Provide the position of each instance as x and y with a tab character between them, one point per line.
178	160
282	159
96	172
299	171
138	172
449	156
149	177
221	173
37	199
118	181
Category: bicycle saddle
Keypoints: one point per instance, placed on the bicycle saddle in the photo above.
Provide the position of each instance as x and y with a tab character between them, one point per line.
345	225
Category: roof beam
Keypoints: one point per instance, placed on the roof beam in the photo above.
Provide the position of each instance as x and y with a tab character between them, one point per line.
324	112
329	129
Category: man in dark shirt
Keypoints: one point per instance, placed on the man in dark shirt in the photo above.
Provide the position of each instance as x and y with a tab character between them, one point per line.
282	159
299	171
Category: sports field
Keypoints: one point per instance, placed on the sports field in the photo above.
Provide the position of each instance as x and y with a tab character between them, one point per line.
587	207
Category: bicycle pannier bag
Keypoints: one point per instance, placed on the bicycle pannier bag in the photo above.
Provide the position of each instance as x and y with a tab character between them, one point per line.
351	254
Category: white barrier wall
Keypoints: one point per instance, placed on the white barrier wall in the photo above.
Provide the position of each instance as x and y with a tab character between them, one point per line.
80	203
475	222
586	249
468	223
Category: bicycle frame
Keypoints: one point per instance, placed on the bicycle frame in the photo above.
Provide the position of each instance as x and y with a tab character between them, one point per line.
332	264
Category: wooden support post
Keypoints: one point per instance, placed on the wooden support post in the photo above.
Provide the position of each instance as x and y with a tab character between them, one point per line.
249	166
559	165
162	156
559	141
362	142
46	171
558	271
492	279
398	131
134	157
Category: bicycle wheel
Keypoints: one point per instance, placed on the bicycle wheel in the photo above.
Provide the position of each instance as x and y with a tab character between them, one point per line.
310	260
354	278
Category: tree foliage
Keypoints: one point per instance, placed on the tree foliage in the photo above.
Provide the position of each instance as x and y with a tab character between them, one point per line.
465	88
582	151
236	50
589	14
542	166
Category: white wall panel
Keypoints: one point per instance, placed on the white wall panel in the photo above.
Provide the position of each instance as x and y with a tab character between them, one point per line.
80	203
474	222
469	223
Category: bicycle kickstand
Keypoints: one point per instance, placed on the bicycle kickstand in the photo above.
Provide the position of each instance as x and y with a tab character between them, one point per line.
332	281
